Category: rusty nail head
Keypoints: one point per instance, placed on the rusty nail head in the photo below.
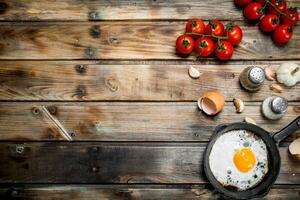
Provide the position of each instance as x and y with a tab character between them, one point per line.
14	193
80	68
89	52
94	169
93	15
95	148
19	149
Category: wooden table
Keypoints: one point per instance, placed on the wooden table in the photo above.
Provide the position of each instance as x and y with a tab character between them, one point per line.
95	103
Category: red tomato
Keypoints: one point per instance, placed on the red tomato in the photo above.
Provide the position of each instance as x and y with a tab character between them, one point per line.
185	44
253	11
234	34
280	5
195	26
261	1
294	17
269	23
214	27
224	51
241	2
204	46
282	34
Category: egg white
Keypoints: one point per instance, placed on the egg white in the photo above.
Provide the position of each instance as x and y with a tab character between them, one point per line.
221	159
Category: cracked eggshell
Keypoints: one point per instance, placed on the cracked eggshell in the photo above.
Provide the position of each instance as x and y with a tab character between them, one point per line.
211	102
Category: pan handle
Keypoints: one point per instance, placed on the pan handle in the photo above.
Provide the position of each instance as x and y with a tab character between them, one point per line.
287	130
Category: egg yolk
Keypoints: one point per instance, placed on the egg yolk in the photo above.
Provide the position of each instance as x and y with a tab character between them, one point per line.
244	159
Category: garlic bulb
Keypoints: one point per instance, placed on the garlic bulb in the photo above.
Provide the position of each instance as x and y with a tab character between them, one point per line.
288	74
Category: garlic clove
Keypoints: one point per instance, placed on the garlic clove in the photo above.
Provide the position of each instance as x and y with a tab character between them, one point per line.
239	105
276	88
194	73
249	120
270	74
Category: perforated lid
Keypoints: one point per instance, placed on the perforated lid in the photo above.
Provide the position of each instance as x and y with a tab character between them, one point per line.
256	75
279	105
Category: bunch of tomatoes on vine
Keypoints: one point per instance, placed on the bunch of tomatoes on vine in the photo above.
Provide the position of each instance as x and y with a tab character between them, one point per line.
208	39
274	17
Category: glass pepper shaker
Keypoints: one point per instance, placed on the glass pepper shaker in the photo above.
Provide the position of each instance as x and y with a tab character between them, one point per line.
252	78
274	107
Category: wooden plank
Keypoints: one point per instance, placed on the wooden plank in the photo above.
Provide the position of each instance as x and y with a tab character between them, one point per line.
81	81
124	121
82	162
123	40
15	10
117	192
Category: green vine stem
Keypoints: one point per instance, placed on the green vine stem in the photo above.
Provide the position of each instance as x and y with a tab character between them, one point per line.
273	6
205	35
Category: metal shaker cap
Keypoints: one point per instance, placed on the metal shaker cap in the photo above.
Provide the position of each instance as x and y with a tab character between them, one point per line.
279	105
256	75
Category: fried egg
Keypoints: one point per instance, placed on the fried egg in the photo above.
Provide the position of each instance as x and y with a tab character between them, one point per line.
239	159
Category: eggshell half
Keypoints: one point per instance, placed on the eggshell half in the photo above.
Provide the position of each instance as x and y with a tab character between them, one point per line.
211	102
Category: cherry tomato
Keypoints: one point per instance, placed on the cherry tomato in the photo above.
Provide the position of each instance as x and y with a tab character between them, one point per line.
280	5
241	2
195	26
282	34
234	34
204	46
224	51
294	17
262	2
253	11
185	44
269	23
214	27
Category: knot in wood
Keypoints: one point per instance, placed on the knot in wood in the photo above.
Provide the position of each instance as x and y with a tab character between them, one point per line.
95	31
93	15
89	52
81	91
112	84
80	68
20	149
52	110
35	111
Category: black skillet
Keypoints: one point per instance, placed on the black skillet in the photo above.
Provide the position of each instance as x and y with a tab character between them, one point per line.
271	141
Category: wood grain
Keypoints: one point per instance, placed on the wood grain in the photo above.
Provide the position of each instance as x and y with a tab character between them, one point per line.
123	40
117	192
129	163
85	81
124	121
79	10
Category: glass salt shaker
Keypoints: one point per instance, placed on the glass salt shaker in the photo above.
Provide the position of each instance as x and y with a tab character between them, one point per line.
274	107
252	78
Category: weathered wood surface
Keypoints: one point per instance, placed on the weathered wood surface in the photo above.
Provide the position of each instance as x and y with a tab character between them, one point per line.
124	121
123	40
129	163
78	10
119	192
78	81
